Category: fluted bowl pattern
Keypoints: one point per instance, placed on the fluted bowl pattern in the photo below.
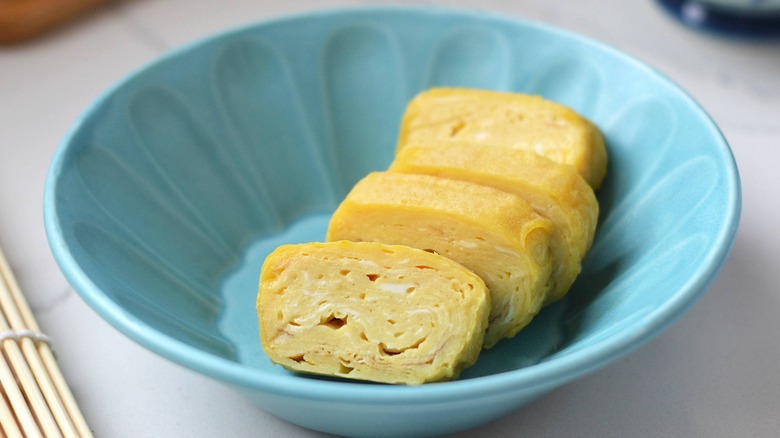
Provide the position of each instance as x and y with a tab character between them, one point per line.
166	195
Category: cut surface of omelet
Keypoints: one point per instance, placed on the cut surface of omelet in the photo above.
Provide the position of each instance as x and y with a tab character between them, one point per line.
496	234
555	191
514	120
370	311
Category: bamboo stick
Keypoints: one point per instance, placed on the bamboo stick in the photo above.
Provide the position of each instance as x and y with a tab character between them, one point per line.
8	423
18	403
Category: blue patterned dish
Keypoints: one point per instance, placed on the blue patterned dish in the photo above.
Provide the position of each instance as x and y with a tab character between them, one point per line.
747	19
166	195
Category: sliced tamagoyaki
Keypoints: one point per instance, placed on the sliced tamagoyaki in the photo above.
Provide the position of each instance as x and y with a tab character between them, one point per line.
556	191
515	120
370	311
496	234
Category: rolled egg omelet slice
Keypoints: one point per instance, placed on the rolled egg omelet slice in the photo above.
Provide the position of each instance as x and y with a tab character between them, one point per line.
369	311
515	120
496	234
555	191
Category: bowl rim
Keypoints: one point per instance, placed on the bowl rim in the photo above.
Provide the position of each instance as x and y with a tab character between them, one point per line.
540	376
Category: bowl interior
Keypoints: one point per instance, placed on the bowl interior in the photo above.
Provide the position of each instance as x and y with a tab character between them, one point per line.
167	195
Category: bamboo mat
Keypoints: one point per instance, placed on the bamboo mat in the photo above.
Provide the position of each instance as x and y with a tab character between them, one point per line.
36	401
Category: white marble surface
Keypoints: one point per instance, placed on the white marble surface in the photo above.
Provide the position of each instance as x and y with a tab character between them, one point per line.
714	373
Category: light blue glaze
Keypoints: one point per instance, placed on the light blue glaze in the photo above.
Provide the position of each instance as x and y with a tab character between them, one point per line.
169	191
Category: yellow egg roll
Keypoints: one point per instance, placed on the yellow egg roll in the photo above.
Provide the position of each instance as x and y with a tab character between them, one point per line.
556	191
496	234
515	120
370	311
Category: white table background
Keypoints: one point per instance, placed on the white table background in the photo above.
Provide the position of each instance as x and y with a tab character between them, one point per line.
714	373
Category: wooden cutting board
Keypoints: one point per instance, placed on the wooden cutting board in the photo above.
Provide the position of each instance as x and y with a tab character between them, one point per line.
21	20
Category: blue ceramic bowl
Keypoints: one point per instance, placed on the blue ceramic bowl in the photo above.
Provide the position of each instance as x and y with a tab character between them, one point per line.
166	195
